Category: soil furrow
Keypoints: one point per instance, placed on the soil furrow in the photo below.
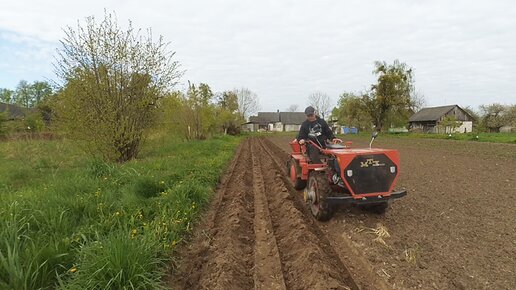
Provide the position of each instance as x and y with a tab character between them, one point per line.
258	234
267	264
355	263
221	256
309	262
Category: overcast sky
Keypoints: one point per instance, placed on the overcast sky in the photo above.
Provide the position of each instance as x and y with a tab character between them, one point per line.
462	52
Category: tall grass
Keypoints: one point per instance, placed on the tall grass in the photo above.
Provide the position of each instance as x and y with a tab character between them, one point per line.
72	222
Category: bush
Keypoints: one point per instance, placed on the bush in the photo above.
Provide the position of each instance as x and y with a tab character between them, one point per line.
112	99
3	120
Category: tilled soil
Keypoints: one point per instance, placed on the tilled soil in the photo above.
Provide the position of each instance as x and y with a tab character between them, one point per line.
456	229
258	235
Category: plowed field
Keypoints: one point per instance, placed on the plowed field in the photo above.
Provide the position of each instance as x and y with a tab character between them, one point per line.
456	229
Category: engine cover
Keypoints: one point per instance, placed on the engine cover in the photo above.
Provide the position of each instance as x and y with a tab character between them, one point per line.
374	173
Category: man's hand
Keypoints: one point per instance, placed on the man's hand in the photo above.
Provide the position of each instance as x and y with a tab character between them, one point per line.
336	141
302	141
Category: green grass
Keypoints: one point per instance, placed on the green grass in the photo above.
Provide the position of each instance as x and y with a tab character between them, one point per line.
72	222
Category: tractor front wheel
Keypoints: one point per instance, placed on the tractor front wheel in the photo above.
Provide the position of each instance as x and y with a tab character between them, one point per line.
294	172
317	191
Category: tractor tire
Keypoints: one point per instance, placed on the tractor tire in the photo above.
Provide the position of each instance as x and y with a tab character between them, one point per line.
294	173
321	210
377	208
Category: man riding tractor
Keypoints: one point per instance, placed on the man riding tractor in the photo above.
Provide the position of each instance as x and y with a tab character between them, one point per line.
315	126
333	174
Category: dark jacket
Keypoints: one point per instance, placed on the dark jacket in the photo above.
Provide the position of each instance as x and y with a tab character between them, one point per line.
318	126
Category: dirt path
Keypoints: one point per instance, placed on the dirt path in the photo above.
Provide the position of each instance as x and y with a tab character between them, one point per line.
258	235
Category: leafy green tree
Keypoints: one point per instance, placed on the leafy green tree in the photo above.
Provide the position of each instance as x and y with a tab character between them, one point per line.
23	94
351	111
193	111
6	96
227	113
40	91
494	116
511	115
392	94
113	83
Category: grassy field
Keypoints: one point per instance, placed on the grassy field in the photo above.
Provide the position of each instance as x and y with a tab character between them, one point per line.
72	222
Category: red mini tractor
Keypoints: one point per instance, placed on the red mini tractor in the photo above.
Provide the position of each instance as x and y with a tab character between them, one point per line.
363	176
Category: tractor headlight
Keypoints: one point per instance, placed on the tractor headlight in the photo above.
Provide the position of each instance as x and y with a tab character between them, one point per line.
349	173
393	169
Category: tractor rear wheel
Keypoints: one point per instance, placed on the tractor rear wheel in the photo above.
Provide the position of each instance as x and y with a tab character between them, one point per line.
294	173
317	191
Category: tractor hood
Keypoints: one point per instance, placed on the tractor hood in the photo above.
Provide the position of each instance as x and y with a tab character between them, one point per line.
368	171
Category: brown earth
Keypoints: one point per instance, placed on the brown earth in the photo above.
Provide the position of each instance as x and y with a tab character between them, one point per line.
456	229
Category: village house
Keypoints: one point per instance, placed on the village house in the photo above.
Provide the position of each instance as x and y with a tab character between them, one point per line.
275	122
440	119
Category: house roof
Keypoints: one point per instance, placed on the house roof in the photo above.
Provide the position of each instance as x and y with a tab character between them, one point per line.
287	118
258	120
13	111
292	118
431	114
271	117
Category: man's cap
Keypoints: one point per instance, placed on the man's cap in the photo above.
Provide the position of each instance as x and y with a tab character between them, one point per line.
309	110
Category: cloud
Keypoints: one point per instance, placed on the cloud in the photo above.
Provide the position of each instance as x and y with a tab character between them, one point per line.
462	52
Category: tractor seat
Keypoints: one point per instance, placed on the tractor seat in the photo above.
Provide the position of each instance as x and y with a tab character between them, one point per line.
335	146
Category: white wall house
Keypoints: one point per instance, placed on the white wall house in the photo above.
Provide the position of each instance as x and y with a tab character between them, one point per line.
275	122
433	120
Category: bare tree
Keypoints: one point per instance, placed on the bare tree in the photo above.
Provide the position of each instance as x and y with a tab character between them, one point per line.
417	101
247	102
293	108
321	102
